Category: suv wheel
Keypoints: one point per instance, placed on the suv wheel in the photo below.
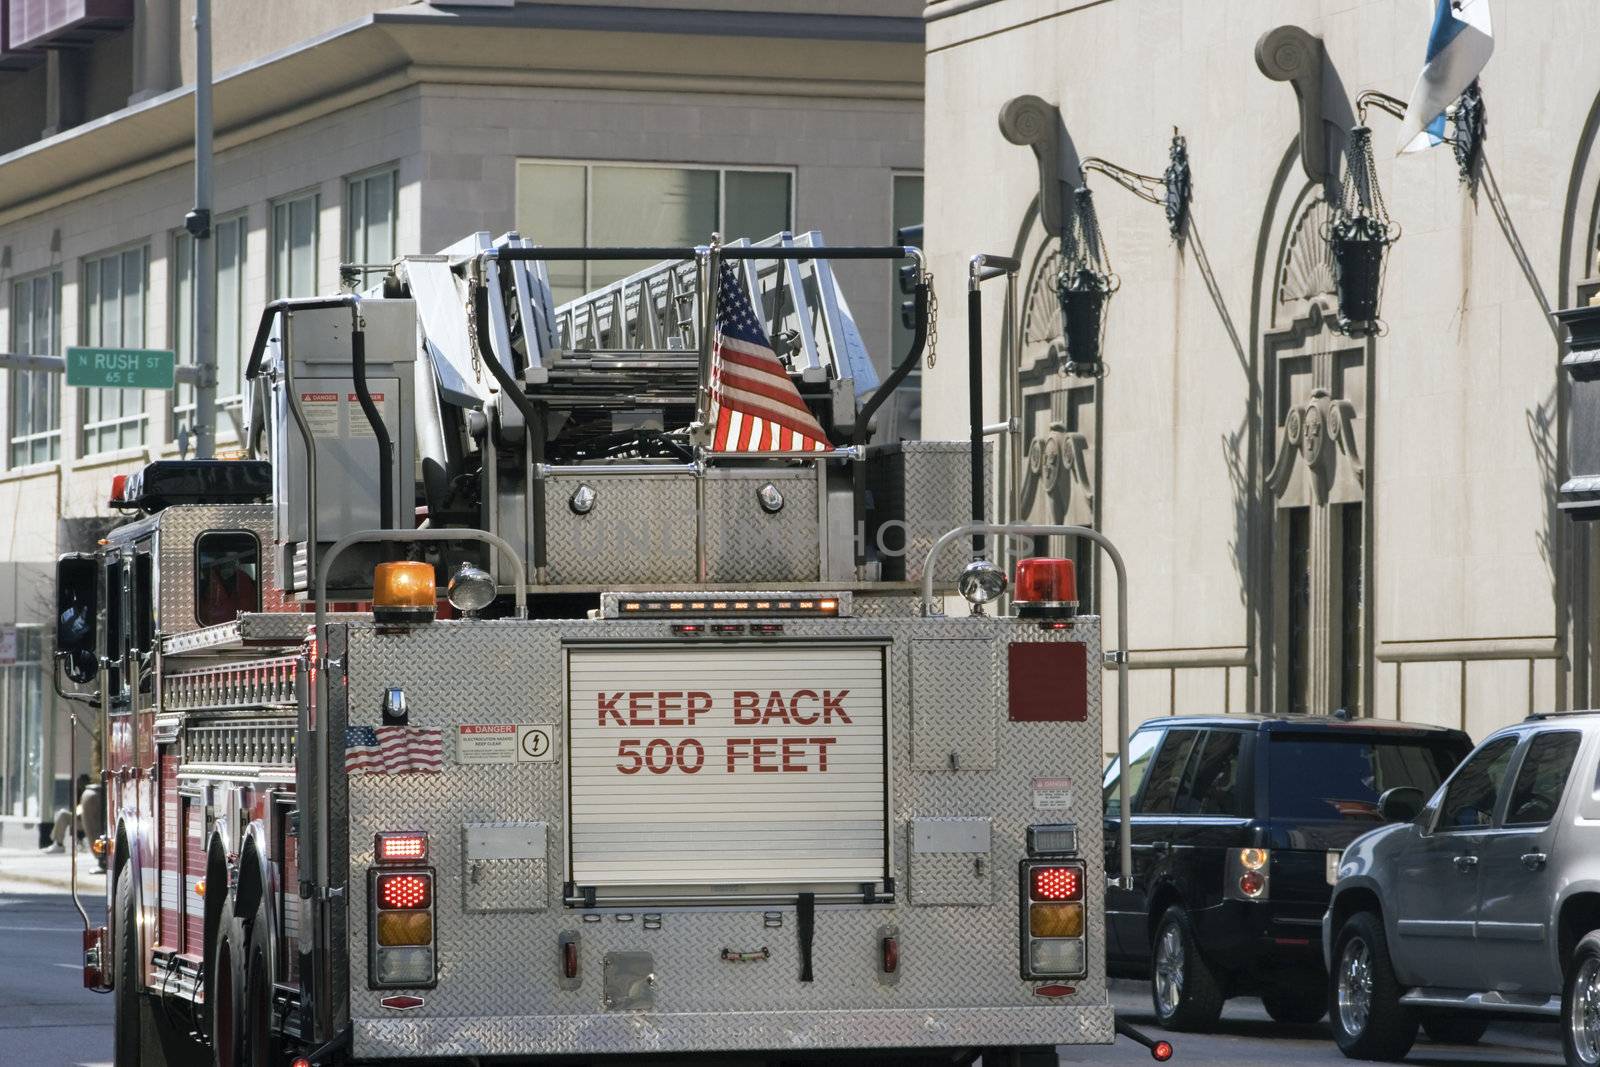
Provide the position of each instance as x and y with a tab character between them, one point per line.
1580	1003
1185	993
1369	1022
1296	1001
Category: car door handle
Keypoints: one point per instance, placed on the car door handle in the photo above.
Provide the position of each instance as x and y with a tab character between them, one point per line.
1466	863
1160	848
1534	860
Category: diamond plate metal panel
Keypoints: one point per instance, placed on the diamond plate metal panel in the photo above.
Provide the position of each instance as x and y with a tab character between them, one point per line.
641	529
952	685
919	491
746	544
951	878
503	883
177	530
511	672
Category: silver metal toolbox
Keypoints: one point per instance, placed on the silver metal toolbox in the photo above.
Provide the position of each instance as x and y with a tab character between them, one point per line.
637	529
917	491
748	543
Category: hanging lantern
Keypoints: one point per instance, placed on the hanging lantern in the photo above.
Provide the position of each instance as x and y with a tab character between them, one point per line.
1084	288
1360	233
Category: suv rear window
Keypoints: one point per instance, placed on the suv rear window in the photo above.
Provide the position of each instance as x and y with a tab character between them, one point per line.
1340	778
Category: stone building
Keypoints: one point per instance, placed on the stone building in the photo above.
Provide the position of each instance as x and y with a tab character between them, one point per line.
1312	520
356	130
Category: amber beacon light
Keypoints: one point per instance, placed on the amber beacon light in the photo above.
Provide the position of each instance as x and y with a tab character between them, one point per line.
1046	588
403	591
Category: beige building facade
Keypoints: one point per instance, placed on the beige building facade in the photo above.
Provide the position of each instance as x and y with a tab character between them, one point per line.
1311	520
352	131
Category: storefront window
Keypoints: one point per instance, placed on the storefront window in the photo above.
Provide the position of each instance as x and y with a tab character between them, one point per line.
21	720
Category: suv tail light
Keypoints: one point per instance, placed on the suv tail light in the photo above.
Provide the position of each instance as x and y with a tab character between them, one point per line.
400	931
1249	875
1054	922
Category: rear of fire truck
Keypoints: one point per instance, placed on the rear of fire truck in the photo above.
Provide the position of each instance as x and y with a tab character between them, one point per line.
686	758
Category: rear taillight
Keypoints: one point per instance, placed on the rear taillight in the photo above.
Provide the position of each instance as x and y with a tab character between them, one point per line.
408	847
1055	940
1249	874
401	932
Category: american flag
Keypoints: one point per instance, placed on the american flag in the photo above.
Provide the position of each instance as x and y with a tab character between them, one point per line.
754	405
393	750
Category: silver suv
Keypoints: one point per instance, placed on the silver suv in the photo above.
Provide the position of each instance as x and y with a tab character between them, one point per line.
1484	901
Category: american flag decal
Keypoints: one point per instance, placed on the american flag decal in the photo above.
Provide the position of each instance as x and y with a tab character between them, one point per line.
754	405
393	750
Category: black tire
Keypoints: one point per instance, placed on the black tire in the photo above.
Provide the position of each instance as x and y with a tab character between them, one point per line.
127	1012
227	985
1296	1001
1184	991
1454	1029
1578	1026
262	1047
1387	1029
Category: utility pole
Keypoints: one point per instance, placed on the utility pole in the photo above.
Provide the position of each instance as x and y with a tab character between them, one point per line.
198	223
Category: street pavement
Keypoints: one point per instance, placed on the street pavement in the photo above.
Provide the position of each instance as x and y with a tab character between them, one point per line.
47	1018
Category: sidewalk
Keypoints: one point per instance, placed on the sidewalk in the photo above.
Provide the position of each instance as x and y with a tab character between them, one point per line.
25	869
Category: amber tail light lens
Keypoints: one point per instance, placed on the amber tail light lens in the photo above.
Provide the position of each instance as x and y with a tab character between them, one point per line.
1055	920
404	928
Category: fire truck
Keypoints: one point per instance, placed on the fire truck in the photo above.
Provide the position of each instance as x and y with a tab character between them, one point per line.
504	701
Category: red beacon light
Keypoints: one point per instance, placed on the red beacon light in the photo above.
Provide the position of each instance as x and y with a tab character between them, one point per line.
119	490
1046	588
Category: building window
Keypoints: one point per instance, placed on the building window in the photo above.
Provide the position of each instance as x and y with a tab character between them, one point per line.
233	332
35	427
113	317
371	208
624	204
907	211
294	246
22	761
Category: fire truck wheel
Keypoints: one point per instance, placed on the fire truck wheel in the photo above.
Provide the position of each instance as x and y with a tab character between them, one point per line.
227	1007
1186	995
262	1047
125	995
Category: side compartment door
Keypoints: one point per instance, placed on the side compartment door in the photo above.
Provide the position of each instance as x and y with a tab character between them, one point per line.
1516	894
1437	895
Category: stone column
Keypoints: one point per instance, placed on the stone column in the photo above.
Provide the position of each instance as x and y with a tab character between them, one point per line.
63	92
155	49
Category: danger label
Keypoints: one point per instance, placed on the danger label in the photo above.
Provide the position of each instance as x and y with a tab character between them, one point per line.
486	743
322	413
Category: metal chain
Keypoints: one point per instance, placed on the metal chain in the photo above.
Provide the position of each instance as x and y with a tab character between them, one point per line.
472	338
932	348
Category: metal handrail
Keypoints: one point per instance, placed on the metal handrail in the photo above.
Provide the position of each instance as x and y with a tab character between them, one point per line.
1118	656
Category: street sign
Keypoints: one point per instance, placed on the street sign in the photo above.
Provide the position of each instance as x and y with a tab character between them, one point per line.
121	368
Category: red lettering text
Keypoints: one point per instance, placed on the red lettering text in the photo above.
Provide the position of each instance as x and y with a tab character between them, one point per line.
664	747
832	705
745	704
698	752
638	702
735	750
763	749
608	706
794	708
629	750
666	703
699	704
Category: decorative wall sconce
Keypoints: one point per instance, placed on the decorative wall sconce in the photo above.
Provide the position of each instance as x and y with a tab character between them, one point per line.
1084	288
1359	234
1087	282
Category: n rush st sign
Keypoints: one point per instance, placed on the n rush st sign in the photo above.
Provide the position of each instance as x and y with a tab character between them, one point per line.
719	765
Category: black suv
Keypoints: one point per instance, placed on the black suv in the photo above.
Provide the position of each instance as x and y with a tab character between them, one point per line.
1238	825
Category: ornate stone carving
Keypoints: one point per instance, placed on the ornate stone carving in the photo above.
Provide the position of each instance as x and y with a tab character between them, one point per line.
1028	120
1307	432
1306	272
1056	482
1290	54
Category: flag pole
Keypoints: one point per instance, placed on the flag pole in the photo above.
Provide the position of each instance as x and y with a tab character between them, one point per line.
204	262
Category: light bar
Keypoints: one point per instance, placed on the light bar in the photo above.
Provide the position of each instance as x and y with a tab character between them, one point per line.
679	605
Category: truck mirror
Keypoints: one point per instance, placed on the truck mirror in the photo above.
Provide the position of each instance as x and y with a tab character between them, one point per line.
77	604
1401	804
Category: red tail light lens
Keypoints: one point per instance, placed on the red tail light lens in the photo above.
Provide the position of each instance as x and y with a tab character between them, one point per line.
569	959
891	955
1045	581
405	892
407	847
1056	883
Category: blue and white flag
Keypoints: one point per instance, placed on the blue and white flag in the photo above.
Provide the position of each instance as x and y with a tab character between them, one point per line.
1458	49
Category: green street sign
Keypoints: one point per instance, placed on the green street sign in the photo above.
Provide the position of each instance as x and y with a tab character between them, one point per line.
121	368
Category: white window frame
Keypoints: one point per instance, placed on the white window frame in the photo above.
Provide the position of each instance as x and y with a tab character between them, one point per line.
23	381
91	430
347	234
721	170
278	282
